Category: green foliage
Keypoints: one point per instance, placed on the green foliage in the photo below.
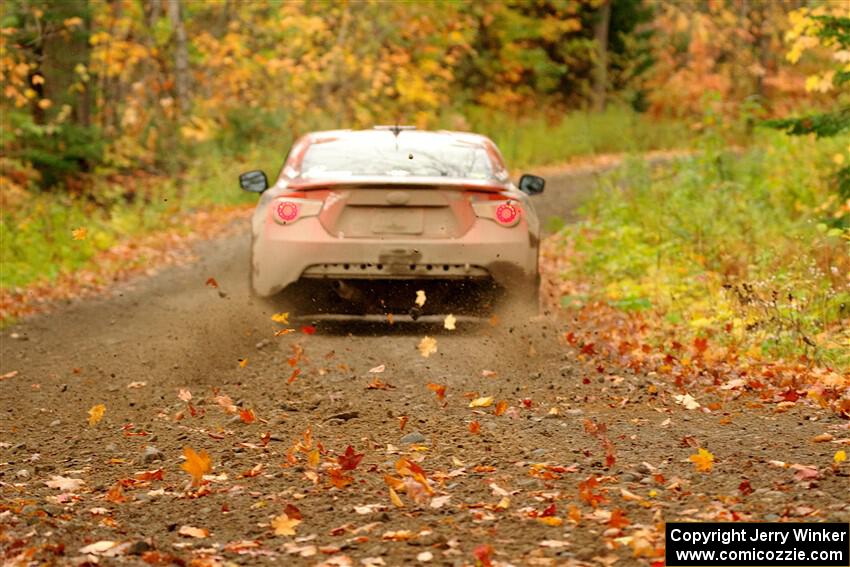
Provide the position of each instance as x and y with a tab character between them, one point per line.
727	243
547	140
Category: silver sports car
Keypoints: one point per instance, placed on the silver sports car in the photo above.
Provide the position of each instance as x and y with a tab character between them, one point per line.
359	221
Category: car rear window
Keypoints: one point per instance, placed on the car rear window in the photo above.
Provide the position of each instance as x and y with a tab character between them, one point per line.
382	154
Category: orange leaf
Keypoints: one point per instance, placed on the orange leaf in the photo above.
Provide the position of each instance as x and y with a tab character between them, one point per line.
618	519
247	416
474	427
703	460
212	283
439	389
501	407
402	421
338	478
116	494
293	376
284	525
197	464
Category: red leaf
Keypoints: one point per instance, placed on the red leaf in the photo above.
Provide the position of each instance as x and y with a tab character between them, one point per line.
349	460
483	554
618	519
588	349
549	512
212	283
308	330
293	376
700	345
745	487
439	389
292	512
247	416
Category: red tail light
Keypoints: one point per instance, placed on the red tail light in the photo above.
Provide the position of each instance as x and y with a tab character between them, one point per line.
287	211
507	214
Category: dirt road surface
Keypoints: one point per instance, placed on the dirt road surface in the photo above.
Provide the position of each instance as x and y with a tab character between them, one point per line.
532	483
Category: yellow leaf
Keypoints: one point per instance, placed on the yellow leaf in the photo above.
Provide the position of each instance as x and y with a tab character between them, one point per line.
449	322
79	233
554	521
37	80
840	456
420	298
313	458
282	318
45	103
284	525
481	402
197	464
838	159
427	346
96	414
243	362
703	460
394	498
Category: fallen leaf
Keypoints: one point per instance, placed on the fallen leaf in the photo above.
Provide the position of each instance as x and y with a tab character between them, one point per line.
184	394
481	402
553	521
350	459
247	416
427	346
308	330
402	421
284	525
483	553
96	414
338	478
474	427
500	407
98	547
243	362
439	390
378	369
212	283
189	531
687	400
197	464
136	385
394	498
64	483
420	298
226	403
822	438
703	460
488	373
282	318
79	233
281	332
840	456
8	375
745	487
450	322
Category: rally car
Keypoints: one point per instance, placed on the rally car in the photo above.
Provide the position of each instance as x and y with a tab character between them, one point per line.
359	221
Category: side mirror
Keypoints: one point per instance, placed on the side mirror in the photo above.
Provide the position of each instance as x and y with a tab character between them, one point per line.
531	184
254	181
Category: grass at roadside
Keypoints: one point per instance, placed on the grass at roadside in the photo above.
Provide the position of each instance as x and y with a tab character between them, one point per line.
747	250
37	243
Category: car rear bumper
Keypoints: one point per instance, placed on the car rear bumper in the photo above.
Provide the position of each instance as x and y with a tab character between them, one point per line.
282	256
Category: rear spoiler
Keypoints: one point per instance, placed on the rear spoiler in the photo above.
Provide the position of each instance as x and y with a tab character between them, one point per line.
383	182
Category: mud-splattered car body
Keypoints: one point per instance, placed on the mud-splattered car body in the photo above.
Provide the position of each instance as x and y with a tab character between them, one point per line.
356	219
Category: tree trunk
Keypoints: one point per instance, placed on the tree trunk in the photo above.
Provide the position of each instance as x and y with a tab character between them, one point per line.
181	58
600	71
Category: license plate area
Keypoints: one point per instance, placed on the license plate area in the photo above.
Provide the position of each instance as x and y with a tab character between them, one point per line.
392	220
